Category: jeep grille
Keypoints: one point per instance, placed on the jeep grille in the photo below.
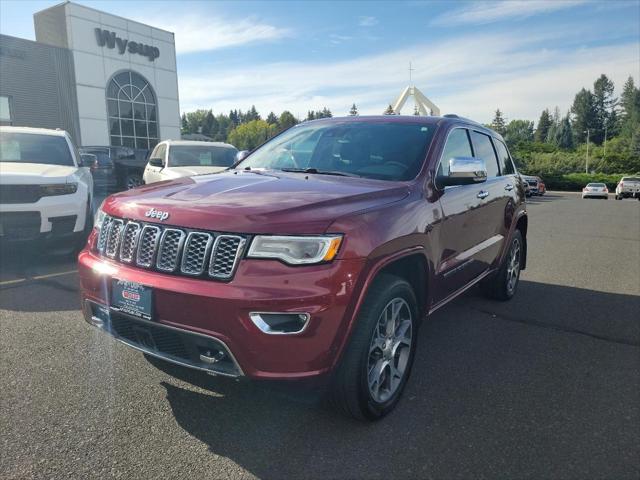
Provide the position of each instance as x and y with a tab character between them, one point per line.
169	249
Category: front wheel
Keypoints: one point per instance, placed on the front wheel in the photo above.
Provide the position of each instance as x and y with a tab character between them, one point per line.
503	285
377	363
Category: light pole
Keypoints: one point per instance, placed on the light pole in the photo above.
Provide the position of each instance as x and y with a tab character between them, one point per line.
586	165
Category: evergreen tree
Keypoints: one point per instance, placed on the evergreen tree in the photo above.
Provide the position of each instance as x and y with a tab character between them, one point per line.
498	123
354	111
252	114
555	124
564	134
210	126
544	124
287	120
630	103
326	113
584	116
605	105
234	117
184	124
311	115
272	119
389	110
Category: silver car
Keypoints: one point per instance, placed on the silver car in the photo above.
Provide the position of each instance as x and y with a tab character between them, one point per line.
595	190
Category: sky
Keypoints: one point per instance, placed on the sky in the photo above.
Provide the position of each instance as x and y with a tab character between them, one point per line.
469	58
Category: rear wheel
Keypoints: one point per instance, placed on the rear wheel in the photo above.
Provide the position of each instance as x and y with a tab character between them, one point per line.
376	365
132	180
503	285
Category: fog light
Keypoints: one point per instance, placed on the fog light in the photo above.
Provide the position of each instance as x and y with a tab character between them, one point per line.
280	323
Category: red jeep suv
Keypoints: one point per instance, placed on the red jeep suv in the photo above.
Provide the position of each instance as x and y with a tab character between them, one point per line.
315	257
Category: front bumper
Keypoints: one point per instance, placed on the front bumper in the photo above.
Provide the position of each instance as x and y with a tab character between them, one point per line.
53	216
219	313
595	195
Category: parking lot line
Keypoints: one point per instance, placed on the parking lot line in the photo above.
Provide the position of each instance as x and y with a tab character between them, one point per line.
37	277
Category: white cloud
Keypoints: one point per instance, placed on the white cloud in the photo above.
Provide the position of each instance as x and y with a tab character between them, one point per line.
196	33
504	71
367	21
489	12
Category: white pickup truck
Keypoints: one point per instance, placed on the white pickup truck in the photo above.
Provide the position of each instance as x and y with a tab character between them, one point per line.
46	191
628	187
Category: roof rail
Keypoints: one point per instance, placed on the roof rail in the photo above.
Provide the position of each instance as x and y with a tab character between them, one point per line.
453	115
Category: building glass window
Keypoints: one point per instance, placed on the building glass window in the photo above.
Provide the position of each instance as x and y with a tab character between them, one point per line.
131	106
5	111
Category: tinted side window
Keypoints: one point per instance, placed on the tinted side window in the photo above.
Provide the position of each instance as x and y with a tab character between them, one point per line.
506	165
483	149
457	146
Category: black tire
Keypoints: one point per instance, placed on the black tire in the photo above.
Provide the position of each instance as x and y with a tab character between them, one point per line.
499	286
350	392
132	180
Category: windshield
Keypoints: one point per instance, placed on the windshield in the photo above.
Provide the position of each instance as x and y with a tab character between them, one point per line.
384	151
33	148
598	185
201	156
631	179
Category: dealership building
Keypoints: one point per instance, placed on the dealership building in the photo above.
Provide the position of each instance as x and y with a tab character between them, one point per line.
105	79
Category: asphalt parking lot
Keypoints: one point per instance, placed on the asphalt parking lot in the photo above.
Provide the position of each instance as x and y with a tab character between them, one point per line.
545	386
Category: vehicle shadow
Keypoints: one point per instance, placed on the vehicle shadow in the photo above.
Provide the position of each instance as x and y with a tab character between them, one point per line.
493	391
544	198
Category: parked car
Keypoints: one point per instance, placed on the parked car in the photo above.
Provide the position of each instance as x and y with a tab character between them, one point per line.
119	168
183	158
312	264
46	192
533	184
525	186
628	187
542	188
595	190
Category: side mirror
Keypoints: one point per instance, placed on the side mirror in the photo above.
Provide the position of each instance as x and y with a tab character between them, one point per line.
88	160
241	155
464	171
156	162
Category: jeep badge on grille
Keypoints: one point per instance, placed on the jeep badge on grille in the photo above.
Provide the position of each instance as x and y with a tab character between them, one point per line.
159	214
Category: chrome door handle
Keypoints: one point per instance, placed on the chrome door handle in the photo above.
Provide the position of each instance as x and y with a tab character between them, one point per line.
508	187
483	194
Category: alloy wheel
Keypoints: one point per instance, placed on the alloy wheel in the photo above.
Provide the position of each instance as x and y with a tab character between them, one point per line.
390	350
513	266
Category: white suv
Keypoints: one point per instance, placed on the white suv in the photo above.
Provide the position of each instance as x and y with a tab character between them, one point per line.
183	158
45	192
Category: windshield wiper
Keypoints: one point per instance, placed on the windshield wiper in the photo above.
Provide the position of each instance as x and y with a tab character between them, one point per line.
319	172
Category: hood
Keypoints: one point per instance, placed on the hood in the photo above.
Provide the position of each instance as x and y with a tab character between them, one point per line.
177	172
18	173
256	202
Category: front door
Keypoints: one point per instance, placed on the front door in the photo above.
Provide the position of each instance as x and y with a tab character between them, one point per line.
467	231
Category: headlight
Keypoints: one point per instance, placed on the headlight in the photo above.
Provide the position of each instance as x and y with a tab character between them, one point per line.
296	250
58	189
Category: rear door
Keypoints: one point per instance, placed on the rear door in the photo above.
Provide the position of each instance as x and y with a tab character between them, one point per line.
497	193
463	229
